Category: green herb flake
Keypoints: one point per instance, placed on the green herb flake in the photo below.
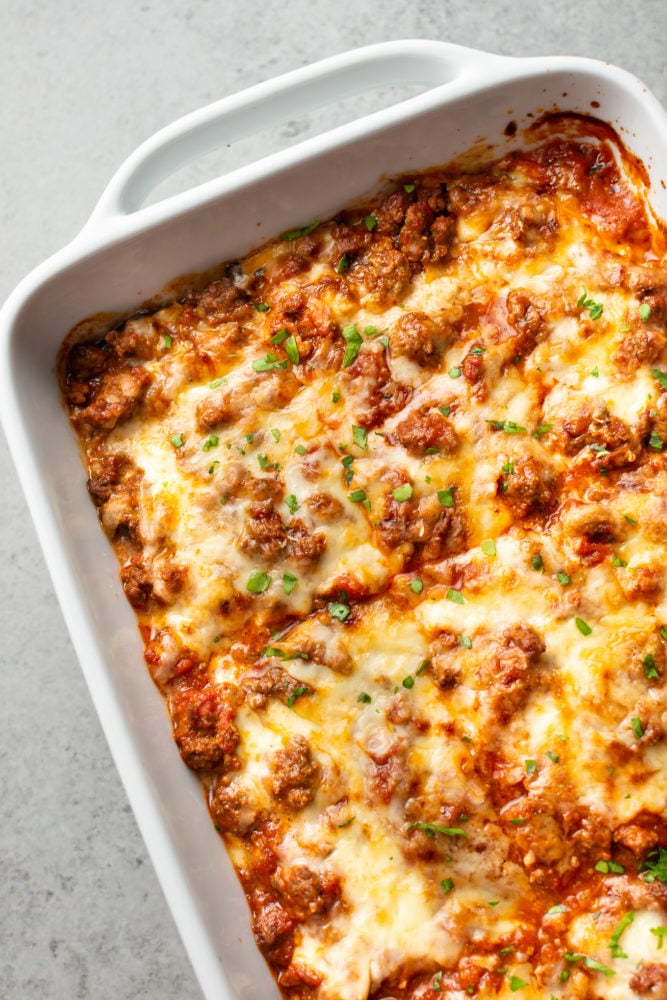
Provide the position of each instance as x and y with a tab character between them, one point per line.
630	520
261	307
446	884
430	829
176	440
444	410
661	377
409	188
563	579
455	596
650	670
365	698
583	626
300	450
264	462
519	821
555	910
644	311
655	865
591	963
341	826
360	437
594	309
637	727
617	933
655	441
465	641
357	496
275	434
446	497
343	264
354	340
542	429
292	350
292	503
517	984
422	667
660	933
212	441
294	234
335	397
211	468
436	985
416	585
408	682
167	341
370	222
402	493
269	363
537	562
258	582
616	561
663	633
339	611
477	350
553	756
289	583
531	766
296	693
455	372
280	336
217	382
489	547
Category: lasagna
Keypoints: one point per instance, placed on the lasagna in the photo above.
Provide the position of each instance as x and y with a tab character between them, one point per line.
389	497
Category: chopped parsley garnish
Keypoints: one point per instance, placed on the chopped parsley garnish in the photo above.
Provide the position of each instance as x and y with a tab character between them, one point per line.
617	561
531	766
583	626
294	234
436	985
300	450
517	984
609	867
519	821
455	595
594	309
359	496
292	350
637	727
649	667
477	350
258	582
489	547
296	693
212	441
335	397
354	340
630	520
343	264
446	497
422	667
340	611
660	376
167	341
275	434
360	437
365	698
176	440
264	462
289	583
455	372
655	864
408	682
554	910
346	823
269	363
509	426
542	429
217	382
370	222
280	337
211	468
563	579
444	410
644	311
595	372
663	633
465	641
655	441
552	756
660	933
591	963
617	933
402	493
508	467
416	585
430	829
537	562
292	503
446	884
409	188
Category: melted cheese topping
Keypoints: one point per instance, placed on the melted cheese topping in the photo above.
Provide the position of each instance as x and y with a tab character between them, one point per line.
448	532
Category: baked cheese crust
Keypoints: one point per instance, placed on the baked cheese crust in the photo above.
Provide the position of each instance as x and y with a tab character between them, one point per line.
390	500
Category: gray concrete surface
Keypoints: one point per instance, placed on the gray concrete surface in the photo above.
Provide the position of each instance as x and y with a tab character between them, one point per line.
81	913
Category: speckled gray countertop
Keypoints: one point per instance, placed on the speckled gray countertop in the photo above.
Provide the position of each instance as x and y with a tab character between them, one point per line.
82	84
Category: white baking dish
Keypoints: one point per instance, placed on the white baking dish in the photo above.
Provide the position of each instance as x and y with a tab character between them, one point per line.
127	254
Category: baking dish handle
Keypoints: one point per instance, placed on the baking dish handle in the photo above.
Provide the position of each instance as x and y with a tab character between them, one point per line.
272	102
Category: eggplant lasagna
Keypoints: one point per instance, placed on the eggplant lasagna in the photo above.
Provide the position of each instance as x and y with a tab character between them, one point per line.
389	497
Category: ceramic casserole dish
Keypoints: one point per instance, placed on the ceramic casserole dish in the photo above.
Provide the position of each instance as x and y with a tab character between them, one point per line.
127	254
